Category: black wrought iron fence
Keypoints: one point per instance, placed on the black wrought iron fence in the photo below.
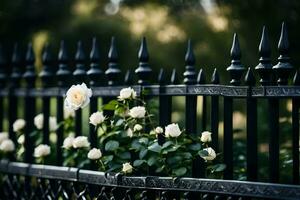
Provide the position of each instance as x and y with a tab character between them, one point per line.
21	180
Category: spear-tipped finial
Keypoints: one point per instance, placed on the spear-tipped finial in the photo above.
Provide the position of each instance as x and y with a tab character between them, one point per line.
63	73
29	74
2	66
283	68
161	77
249	77
79	73
46	73
235	69
94	73
264	68
128	77
296	79
201	77
174	77
143	71
113	72
215	78
16	74
190	72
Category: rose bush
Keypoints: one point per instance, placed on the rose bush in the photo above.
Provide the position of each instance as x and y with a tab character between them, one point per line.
127	140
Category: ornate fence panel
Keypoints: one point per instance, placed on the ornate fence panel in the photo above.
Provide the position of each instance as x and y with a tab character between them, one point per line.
30	181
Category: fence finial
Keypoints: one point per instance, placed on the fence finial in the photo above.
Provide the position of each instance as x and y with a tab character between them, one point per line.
283	68
128	77
2	67
264	68
296	79
63	73
249	77
113	72
201	77
16	75
80	58
174	77
94	73
215	78
46	73
29	74
235	69
143	71
190	72
161	77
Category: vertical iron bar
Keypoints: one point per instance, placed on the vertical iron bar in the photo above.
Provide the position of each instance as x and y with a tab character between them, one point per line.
274	139
95	75
165	106
215	113
295	124
29	111
46	77
228	138
251	129
63	79
198	169
79	76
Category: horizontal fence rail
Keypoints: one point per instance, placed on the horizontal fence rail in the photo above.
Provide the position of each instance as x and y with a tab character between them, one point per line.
211	188
278	83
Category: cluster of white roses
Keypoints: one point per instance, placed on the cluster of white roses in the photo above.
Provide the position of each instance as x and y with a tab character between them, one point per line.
76	142
6	144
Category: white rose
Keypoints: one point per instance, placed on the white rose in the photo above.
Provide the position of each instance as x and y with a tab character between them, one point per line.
205	136
127	168
68	142
21	139
18	125
137	112
137	127
129	132
81	142
78	96
39	122
68	112
41	150
7	146
127	93
3	136
94	154
97	118
211	154
52	124
172	130
159	130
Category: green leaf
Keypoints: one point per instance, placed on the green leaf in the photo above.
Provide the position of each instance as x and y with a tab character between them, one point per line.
180	171
138	163
136	145
143	153
151	161
144	140
218	167
195	147
187	155
107	159
111	145
203	153
110	105
125	155
155	147
160	169
174	160
167	144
